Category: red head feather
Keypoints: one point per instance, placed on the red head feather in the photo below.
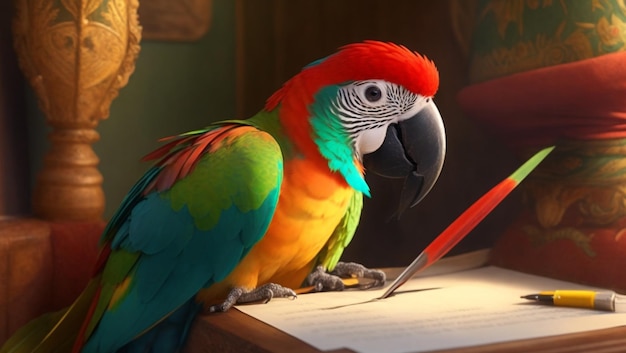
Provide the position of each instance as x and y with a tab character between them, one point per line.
369	60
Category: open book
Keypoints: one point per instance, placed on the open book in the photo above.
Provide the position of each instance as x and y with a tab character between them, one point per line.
458	302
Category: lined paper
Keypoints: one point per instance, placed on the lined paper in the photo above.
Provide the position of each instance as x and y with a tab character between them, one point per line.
461	309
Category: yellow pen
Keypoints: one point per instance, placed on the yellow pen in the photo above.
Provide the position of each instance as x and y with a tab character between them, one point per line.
597	300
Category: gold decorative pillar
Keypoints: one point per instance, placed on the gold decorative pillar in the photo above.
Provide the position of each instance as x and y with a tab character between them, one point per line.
76	54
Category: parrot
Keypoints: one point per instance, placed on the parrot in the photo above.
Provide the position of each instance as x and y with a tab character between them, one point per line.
245	211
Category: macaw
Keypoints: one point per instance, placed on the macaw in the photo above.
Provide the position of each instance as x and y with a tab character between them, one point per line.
248	210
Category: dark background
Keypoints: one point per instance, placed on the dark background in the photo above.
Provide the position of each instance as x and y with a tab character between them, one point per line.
251	48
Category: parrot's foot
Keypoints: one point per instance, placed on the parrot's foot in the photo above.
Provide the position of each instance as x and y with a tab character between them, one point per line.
323	281
264	293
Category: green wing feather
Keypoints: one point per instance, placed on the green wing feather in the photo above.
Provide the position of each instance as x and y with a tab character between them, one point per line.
198	219
342	234
52	332
28	337
183	226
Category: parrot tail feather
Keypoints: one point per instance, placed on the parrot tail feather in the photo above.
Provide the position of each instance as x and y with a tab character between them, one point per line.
53	332
167	336
81	336
28	337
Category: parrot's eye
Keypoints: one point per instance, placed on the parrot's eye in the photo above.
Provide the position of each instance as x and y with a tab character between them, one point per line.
373	94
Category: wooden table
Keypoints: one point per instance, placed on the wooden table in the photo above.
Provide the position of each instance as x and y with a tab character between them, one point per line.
236	332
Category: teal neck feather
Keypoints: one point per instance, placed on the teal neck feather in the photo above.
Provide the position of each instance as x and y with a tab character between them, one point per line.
332	140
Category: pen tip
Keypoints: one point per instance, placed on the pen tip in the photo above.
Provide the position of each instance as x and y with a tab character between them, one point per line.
542	298
537	297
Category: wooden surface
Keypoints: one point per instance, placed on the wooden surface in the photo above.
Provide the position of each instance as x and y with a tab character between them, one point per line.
25	272
43	267
235	331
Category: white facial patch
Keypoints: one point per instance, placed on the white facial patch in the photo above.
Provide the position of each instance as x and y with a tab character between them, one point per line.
369	141
367	108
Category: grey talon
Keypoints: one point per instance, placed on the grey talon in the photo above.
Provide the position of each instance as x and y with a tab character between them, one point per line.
265	293
352	269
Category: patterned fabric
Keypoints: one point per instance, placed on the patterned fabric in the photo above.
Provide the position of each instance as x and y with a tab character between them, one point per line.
518	35
579	100
553	72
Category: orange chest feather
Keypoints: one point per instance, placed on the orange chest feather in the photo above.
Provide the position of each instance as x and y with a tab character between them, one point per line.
310	206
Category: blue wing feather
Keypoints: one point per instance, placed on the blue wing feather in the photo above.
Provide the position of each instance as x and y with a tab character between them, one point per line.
177	258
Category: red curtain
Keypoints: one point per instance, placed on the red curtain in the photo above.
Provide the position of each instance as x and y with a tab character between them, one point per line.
14	161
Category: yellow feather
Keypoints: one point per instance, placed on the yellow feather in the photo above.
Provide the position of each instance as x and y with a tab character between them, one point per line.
120	292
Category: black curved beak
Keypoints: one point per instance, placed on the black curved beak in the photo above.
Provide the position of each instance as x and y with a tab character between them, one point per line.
414	149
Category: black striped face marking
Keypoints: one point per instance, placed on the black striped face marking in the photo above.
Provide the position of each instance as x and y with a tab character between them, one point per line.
367	108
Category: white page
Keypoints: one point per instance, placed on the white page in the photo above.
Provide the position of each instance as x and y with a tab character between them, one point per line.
462	309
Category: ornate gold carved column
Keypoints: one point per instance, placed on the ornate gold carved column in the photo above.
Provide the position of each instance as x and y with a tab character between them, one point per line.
76	54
